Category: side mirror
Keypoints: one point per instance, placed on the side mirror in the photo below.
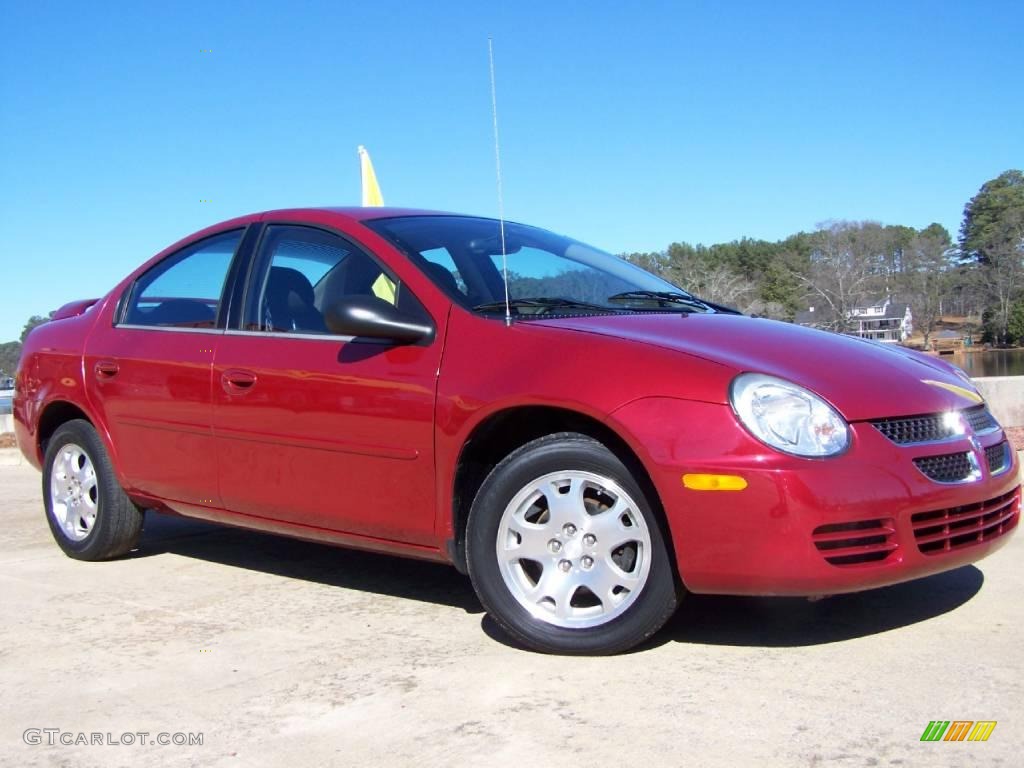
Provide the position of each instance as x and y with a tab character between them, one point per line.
374	318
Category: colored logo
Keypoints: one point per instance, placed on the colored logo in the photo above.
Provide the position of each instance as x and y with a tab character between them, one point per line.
958	730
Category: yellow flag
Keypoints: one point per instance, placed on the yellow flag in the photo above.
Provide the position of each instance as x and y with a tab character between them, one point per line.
384	288
371	189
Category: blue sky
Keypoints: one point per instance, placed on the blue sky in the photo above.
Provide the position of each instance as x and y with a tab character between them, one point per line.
628	125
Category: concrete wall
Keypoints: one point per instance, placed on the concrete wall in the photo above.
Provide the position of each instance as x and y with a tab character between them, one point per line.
1005	396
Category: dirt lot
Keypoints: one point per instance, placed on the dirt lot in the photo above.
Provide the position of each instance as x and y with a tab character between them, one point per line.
286	653
1016	437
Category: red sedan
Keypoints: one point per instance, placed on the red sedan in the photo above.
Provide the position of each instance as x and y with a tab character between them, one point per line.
583	439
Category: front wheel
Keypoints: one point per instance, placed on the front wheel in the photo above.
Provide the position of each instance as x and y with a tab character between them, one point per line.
89	514
565	551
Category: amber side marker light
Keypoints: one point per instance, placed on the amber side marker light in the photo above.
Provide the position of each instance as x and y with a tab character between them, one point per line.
714	482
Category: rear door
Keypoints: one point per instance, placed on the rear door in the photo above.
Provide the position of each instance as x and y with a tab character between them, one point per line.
318	429
148	373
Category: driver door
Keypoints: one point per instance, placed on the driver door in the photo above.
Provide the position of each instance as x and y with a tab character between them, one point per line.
316	429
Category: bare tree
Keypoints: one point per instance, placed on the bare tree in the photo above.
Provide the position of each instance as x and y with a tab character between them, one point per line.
846	266
713	282
697	270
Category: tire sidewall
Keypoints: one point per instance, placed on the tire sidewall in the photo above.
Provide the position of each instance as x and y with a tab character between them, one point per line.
563	453
84	436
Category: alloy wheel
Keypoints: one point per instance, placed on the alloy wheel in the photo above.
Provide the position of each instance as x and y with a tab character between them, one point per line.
74	493
574	549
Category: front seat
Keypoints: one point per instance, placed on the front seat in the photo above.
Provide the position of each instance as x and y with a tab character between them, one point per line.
443	276
288	303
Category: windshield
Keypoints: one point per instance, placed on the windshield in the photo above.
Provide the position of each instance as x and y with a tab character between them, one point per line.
547	273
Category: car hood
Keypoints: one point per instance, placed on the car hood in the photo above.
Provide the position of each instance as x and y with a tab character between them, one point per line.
862	379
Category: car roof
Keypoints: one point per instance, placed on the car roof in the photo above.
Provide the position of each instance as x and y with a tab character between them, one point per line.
357	213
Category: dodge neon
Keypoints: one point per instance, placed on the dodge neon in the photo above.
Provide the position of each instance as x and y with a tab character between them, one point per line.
586	441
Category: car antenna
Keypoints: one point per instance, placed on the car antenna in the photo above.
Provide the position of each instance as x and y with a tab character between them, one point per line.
497	166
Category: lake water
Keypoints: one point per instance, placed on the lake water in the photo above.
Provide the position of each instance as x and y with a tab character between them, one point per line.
992	362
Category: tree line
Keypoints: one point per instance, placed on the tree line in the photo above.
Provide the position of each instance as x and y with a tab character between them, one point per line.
10	351
845	264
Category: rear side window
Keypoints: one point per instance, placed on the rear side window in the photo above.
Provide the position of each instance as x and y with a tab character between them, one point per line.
184	290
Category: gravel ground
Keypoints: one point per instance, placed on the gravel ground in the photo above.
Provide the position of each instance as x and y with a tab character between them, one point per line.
286	653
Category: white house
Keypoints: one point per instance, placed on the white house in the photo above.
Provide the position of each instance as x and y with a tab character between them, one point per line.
879	320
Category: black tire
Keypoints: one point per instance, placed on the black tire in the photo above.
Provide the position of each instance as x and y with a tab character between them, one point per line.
578	455
116	524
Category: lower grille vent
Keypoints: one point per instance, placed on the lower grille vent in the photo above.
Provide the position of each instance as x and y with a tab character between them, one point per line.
948	529
855	543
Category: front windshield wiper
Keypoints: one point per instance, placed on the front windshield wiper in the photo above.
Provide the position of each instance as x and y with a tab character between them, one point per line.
546	302
674	297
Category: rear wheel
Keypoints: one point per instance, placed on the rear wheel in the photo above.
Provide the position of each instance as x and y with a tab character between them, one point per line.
565	551
89	514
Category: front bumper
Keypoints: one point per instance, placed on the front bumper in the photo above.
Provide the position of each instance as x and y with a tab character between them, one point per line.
868	518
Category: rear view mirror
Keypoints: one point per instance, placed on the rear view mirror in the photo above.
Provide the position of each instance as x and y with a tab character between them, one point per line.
373	318
491	246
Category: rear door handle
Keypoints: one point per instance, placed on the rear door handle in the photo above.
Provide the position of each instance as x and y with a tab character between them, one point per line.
236	382
106	369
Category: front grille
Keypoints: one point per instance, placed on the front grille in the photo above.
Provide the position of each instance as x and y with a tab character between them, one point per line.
932	427
948	529
948	468
998	457
916	429
980	419
855	543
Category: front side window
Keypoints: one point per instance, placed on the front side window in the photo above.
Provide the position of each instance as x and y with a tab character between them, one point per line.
184	290
302	272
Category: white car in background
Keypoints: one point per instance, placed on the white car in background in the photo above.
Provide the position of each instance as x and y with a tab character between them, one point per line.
6	394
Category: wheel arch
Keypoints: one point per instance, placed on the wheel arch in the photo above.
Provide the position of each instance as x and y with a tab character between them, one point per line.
58	411
53	415
503	431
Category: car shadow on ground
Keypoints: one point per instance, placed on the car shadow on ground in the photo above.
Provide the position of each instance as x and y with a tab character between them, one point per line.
790	622
768	622
318	563
786	622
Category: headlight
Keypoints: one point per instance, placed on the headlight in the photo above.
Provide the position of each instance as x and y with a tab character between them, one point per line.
788	417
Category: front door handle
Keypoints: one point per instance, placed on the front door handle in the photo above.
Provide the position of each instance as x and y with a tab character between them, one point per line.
106	369
237	382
